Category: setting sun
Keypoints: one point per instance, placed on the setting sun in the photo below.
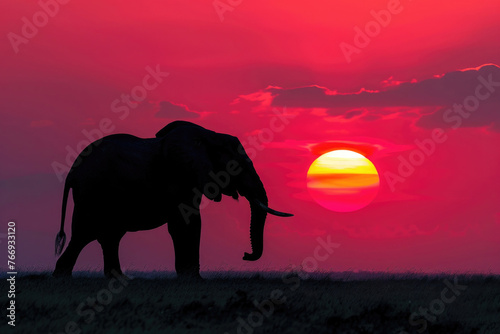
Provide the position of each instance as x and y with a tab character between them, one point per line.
342	181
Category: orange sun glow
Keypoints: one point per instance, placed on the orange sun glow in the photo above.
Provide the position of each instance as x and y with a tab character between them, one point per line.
343	181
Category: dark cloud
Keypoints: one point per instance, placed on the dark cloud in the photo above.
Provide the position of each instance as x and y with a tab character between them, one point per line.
350	114
175	111
487	114
370	118
441	92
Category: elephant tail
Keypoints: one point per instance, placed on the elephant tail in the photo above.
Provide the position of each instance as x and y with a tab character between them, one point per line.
61	236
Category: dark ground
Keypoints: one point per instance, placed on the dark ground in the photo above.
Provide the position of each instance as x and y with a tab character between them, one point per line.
297	305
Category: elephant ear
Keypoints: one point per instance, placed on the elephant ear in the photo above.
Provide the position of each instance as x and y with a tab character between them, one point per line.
174	125
188	153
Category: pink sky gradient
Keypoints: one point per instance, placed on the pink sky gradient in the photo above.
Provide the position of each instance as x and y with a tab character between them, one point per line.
233	77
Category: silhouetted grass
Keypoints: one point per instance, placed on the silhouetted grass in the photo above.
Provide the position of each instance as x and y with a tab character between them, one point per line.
157	304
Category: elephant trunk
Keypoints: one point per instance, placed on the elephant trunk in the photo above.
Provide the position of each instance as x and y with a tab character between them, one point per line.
253	190
257	222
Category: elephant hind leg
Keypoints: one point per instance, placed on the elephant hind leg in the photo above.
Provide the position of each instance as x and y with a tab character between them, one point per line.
66	262
110	246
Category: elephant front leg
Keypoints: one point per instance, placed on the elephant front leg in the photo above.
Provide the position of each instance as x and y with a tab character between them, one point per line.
186	237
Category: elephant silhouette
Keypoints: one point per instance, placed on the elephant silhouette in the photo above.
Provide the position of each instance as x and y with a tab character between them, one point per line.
122	183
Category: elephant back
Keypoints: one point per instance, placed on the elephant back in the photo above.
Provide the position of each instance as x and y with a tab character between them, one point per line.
174	125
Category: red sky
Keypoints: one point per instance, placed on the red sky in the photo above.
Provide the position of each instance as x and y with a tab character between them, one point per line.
228	76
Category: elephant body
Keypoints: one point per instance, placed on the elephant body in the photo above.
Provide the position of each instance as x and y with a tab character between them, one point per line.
133	205
122	183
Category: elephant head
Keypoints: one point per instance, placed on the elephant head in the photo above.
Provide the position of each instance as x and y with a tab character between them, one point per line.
221	167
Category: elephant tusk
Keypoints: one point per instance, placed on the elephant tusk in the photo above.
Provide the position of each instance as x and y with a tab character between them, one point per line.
271	211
